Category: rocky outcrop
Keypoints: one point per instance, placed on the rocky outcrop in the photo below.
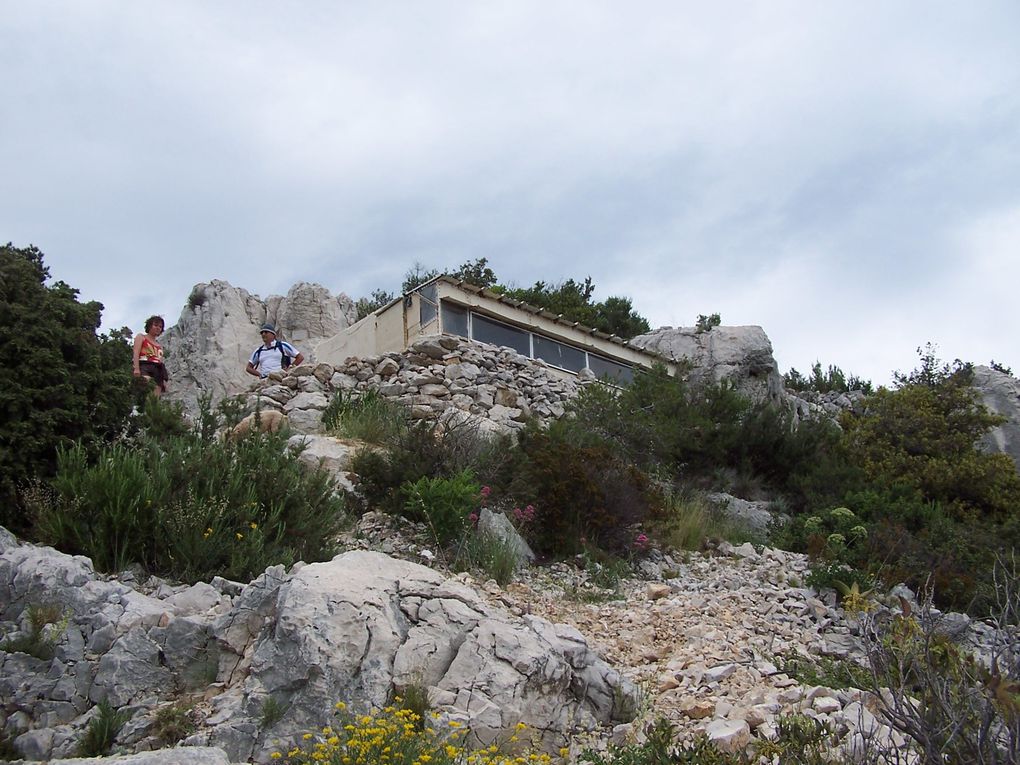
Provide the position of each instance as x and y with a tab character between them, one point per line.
1000	392
208	348
356	628
740	355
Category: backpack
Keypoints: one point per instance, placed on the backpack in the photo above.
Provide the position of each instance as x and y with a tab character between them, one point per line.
285	361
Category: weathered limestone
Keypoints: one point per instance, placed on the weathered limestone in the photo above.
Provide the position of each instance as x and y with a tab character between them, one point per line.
355	628
741	355
1000	392
208	348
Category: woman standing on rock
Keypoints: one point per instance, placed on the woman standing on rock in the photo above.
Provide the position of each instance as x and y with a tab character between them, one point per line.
147	360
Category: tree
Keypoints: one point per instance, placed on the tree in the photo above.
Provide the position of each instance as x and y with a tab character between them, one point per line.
416	276
573	300
476	272
825	382
60	381
365	306
923	435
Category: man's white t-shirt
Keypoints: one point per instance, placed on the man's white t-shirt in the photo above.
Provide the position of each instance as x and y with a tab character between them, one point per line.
268	358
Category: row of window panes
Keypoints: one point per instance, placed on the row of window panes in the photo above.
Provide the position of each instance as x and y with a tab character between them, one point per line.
459	321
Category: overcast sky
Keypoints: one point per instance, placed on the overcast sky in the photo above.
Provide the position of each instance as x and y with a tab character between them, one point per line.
845	175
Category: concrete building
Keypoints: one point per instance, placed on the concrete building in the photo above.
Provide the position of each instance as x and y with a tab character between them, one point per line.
446	305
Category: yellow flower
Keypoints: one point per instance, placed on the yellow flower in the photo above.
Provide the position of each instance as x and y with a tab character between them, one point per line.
564	751
207	534
454	724
239	535
307	736
520	726
253	525
340	705
275	756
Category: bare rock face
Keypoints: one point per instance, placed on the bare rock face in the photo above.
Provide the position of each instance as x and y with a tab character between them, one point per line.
741	355
356	628
208	348
1000	392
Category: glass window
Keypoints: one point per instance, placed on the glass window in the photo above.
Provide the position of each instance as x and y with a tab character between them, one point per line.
454	318
485	330
621	374
427	303
558	354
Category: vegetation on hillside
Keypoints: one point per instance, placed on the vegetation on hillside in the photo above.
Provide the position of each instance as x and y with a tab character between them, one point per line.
61	382
832	380
897	491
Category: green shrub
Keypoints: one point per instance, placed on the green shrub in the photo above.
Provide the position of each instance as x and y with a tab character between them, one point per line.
60	382
825	671
688	518
494	556
193	508
584	494
102	730
834	379
445	504
800	740
173	723
369	417
427	449
38	641
924	435
706	323
957	709
271	713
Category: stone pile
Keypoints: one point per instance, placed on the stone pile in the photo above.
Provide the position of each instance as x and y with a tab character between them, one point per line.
445	376
809	404
706	636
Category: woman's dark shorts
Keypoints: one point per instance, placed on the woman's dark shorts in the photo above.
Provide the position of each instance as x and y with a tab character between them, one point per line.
156	372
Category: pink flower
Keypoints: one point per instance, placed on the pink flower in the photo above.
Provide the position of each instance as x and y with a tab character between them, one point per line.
473	518
486	491
641	541
517	513
529	512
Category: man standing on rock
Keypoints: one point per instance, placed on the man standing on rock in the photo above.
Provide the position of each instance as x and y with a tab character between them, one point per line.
272	355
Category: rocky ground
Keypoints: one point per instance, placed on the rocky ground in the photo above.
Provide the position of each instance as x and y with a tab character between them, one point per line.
703	634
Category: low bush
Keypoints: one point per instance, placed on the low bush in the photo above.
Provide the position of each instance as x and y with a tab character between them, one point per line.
954	707
173	723
688	518
800	740
444	504
494	556
369	417
46	624
584	494
426	449
399	736
192	508
102	730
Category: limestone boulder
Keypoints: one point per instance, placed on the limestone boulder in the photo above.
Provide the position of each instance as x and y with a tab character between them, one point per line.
740	355
1000	392
209	346
365	624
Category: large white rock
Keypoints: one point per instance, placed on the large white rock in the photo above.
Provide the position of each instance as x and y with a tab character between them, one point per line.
1000	392
364	624
741	355
209	346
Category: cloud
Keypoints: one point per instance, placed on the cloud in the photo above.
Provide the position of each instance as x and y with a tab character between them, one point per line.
819	170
